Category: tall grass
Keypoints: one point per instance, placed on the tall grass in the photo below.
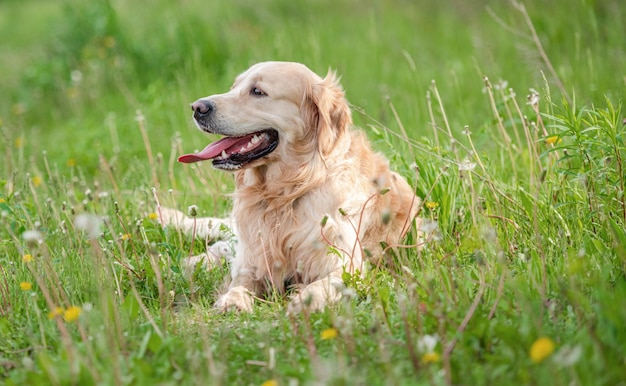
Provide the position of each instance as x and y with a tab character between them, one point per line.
521	274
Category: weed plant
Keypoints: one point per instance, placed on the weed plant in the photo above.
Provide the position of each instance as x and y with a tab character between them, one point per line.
520	274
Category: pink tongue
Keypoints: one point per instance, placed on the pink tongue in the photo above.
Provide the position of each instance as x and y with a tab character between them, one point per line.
215	149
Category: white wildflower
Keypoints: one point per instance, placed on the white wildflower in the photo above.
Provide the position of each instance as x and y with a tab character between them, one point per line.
192	210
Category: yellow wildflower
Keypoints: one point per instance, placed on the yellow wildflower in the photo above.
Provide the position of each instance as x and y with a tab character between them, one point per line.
26	286
432	204
329	333
2	200
108	41
36	181
153	216
27	258
72	313
19	142
430	357
553	139
270	382
18	109
71	162
57	311
541	349
125	236
72	92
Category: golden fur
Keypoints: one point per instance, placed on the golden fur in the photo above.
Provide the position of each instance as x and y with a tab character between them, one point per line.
321	171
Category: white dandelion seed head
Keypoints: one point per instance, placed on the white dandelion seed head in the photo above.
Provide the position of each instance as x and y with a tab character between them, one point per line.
192	210
32	236
501	85
427	343
76	76
88	223
466	165
489	233
568	355
533	97
349	293
429	226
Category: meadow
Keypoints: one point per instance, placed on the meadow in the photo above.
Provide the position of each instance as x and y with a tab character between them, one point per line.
507	118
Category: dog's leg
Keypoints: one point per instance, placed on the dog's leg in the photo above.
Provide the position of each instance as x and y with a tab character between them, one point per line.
329	287
205	227
243	286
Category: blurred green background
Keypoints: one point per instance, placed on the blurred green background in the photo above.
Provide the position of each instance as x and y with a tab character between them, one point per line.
75	72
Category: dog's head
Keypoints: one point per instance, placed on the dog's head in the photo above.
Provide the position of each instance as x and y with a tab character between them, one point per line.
273	111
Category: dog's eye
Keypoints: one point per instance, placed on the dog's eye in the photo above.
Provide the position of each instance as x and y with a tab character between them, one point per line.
257	92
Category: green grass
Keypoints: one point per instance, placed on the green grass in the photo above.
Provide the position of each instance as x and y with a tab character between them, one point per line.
528	199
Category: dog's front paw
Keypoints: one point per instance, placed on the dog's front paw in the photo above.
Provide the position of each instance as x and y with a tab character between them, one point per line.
306	300
237	298
316	296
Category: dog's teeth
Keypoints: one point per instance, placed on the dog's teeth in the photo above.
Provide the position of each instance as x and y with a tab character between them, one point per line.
255	139
224	155
250	144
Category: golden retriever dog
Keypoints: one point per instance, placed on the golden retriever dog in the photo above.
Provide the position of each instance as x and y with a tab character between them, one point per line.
311	201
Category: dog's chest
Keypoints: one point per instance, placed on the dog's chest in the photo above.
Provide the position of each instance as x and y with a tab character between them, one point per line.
280	240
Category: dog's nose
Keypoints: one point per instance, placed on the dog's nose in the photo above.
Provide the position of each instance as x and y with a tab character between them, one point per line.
202	107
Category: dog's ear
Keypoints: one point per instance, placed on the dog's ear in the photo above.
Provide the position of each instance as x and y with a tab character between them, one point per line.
326	113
